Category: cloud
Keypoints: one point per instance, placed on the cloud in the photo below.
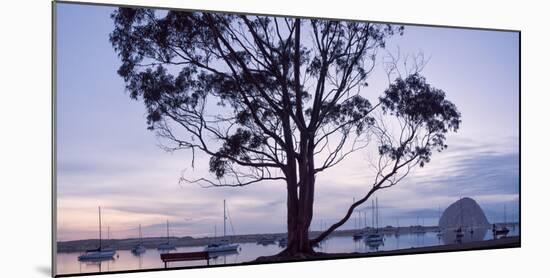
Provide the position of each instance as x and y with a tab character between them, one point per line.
475	173
143	189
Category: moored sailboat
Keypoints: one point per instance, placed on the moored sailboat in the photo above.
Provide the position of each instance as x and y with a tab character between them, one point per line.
363	231
100	253
139	248
266	241
167	246
439	232
501	231
222	245
374	238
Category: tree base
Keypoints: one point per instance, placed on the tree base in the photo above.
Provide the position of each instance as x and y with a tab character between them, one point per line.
286	256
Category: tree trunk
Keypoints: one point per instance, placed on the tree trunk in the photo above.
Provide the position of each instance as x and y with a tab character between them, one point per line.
299	216
299	220
300	175
298	233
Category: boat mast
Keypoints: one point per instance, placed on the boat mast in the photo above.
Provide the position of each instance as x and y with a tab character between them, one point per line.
377	214
460	207
365	220
99	208
355	218
439	219
461	217
373	214
167	233
140	239
224	218
504	215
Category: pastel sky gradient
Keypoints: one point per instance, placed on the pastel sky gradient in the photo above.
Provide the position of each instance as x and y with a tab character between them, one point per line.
107	157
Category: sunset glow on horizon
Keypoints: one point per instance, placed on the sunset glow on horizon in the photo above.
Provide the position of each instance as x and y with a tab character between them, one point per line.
106	156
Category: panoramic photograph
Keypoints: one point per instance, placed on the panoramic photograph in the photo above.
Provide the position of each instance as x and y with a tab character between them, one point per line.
189	139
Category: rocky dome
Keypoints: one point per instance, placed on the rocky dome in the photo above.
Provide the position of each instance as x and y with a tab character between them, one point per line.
464	213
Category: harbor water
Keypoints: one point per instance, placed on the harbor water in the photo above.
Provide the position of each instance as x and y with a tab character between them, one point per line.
67	263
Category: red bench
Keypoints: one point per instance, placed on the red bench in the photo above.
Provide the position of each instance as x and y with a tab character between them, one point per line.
189	256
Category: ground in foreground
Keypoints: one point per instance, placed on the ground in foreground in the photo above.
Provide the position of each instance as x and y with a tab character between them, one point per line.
508	242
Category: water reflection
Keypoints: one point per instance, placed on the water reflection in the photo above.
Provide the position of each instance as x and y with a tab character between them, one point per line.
477	234
68	262
99	265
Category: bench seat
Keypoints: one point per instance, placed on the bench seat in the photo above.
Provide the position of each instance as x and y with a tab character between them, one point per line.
188	256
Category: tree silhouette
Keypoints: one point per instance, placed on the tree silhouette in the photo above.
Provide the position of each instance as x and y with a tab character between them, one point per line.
277	98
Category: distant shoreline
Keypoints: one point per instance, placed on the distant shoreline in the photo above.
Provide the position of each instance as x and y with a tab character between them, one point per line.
153	242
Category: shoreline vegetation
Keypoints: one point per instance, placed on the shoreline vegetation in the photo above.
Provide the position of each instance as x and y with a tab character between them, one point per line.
188	241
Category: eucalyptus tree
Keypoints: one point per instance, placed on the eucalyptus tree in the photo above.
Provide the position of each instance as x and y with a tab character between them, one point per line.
272	98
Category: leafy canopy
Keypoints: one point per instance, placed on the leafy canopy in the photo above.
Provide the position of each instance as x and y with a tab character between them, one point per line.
257	92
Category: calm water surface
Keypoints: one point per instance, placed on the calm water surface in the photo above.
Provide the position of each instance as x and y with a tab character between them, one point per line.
67	263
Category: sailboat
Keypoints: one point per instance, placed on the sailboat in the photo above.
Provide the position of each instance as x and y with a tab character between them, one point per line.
397	229
166	247
99	253
108	248
223	245
374	238
361	233
439	232
458	231
266	241
139	248
357	235
501	231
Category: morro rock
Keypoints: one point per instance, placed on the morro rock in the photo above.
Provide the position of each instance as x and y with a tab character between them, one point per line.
464	213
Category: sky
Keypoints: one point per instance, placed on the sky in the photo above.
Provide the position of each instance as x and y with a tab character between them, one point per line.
106	156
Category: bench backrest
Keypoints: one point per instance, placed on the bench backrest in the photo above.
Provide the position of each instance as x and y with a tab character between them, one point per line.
184	256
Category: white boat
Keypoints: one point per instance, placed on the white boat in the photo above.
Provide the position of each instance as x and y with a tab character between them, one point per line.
358	235
439	232
265	241
362	232
222	245
97	254
100	253
503	230
374	238
139	248
167	246
397	229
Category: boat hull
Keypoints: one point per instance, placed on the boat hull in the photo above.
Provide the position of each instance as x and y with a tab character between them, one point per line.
138	250
97	255
222	248
374	239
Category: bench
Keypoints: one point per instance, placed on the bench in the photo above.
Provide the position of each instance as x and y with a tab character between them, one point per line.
189	256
